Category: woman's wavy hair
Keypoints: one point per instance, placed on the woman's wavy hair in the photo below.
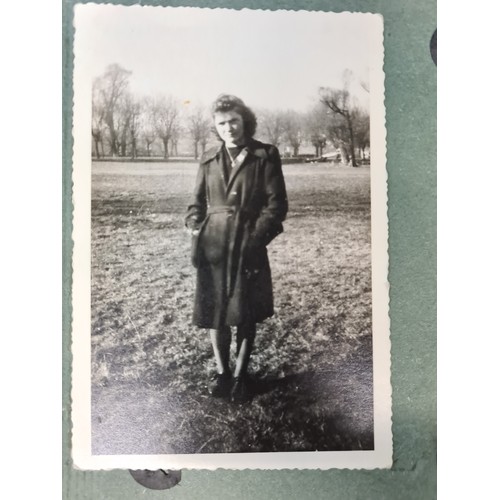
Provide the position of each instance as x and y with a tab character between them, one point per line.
227	102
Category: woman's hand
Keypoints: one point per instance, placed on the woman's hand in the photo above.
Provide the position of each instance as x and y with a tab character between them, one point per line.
192	226
192	231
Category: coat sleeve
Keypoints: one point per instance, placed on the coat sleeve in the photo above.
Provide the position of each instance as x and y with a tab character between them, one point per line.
197	209
269	222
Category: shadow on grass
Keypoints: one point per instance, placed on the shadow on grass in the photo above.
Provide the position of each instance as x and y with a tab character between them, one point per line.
328	410
309	411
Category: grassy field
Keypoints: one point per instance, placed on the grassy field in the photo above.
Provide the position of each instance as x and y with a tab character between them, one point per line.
312	367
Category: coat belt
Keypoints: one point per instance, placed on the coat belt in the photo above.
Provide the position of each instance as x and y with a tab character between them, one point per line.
221	209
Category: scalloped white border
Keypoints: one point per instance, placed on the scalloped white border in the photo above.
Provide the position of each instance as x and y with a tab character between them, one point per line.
381	456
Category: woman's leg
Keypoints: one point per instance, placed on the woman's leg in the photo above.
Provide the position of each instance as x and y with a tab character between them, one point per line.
220	386
245	337
221	343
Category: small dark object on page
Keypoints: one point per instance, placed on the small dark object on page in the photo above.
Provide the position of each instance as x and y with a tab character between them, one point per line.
157	479
434	47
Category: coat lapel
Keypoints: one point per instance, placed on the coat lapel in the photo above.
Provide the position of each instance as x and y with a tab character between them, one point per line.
252	150
217	155
239	163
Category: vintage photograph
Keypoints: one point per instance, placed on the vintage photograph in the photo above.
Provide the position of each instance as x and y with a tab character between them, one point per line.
230	294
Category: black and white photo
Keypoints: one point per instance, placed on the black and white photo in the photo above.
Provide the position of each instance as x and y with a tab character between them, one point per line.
230	293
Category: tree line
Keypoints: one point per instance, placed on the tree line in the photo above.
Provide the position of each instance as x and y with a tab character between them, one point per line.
129	126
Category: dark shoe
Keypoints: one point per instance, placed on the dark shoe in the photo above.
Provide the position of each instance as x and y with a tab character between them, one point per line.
240	392
220	385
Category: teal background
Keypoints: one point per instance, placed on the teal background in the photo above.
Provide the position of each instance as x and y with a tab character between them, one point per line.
410	99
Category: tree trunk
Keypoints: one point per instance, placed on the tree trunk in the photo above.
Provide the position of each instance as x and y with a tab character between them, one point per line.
113	142
165	148
134	148
351	140
113	139
344	157
295	151
96	145
195	150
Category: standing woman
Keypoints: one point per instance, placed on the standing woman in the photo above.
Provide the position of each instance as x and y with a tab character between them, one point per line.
238	207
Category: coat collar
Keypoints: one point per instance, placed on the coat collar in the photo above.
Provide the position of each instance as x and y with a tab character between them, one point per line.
255	148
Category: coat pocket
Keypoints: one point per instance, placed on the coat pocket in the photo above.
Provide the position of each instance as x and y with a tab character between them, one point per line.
195	250
264	235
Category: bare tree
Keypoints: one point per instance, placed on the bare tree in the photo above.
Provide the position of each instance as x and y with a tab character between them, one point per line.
166	119
177	131
108	91
135	112
271	123
198	126
97	122
205	137
127	124
293	130
362	131
338	134
122	120
146	126
340	105
316	127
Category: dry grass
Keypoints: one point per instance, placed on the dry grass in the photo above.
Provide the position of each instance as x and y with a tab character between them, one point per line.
312	366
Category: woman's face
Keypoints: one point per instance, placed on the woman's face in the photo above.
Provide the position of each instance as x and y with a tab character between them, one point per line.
229	126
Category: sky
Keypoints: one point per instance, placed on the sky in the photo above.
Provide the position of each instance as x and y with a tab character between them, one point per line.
271	59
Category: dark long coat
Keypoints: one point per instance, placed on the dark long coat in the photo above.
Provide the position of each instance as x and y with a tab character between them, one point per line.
237	216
